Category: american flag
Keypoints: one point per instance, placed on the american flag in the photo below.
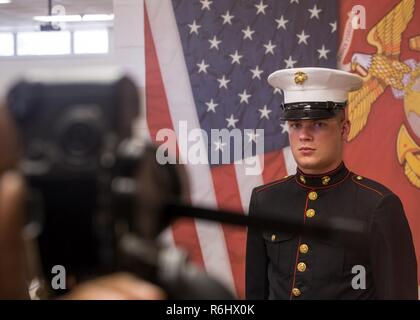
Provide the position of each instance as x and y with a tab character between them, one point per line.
207	63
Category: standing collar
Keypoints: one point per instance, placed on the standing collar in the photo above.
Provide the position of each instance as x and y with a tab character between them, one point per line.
324	180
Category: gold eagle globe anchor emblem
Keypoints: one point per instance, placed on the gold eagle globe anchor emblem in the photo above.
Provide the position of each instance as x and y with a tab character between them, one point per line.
300	77
384	69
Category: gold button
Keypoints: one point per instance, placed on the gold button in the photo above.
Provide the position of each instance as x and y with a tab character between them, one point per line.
313	195
359	178
301	266
326	180
310	213
296	292
273	237
302	179
303	248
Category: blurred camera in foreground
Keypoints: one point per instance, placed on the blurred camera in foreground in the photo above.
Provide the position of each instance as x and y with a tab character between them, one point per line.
97	193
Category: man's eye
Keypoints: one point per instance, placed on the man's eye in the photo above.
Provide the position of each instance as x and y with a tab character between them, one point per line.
319	124
295	125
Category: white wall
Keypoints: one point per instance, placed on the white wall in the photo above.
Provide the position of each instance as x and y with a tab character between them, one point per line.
11	69
126	50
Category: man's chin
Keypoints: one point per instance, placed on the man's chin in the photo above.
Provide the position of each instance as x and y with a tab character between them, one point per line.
309	164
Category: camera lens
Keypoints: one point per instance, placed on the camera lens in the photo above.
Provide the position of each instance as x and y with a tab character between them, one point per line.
80	139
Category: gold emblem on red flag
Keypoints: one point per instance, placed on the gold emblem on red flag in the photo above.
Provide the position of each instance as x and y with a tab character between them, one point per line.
385	69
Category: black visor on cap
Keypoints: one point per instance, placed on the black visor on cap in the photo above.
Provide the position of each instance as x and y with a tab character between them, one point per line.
311	110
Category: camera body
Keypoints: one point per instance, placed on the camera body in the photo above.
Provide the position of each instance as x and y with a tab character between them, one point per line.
69	128
70	134
97	194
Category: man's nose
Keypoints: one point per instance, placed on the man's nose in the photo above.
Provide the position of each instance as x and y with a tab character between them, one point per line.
305	134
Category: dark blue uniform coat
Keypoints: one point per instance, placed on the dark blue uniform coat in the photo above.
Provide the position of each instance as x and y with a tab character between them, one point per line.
283	265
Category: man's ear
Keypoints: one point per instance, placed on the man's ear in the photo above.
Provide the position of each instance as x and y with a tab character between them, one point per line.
345	130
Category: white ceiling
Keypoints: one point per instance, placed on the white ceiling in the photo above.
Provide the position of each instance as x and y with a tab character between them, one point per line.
19	13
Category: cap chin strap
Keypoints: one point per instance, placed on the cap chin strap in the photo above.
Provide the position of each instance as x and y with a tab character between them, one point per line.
324	105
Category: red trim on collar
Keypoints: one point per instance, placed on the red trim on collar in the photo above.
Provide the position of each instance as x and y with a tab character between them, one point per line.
323	174
275	183
325	187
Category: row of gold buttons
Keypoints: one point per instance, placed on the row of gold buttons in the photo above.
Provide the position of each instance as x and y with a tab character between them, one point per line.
304	248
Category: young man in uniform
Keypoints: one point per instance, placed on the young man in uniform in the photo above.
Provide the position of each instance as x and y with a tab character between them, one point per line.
282	265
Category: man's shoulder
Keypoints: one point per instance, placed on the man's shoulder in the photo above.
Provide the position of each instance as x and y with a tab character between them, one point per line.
370	187
275	185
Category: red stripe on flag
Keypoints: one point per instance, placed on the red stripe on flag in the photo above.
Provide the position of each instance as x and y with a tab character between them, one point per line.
157	110
158	117
228	197
274	166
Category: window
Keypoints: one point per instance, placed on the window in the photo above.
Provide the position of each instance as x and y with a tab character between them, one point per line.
43	43
90	41
7	44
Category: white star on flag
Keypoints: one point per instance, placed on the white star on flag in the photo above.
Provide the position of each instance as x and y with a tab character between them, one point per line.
333	26
252	136
205	4
231	121
223	82
281	23
227	18
244	96
211	106
285	127
202	66
302	37
260	7
323	52
219	145
214	43
248	33
236	58
194	27
256	73
265	112
269	48
290	62
296	1
314	12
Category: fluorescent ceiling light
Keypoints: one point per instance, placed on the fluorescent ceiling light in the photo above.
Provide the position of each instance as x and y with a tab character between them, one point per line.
75	18
5	1
98	17
59	18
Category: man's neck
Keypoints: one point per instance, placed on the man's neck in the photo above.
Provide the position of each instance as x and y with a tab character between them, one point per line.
322	170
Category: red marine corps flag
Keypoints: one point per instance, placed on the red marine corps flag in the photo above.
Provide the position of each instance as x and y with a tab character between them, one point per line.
380	40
